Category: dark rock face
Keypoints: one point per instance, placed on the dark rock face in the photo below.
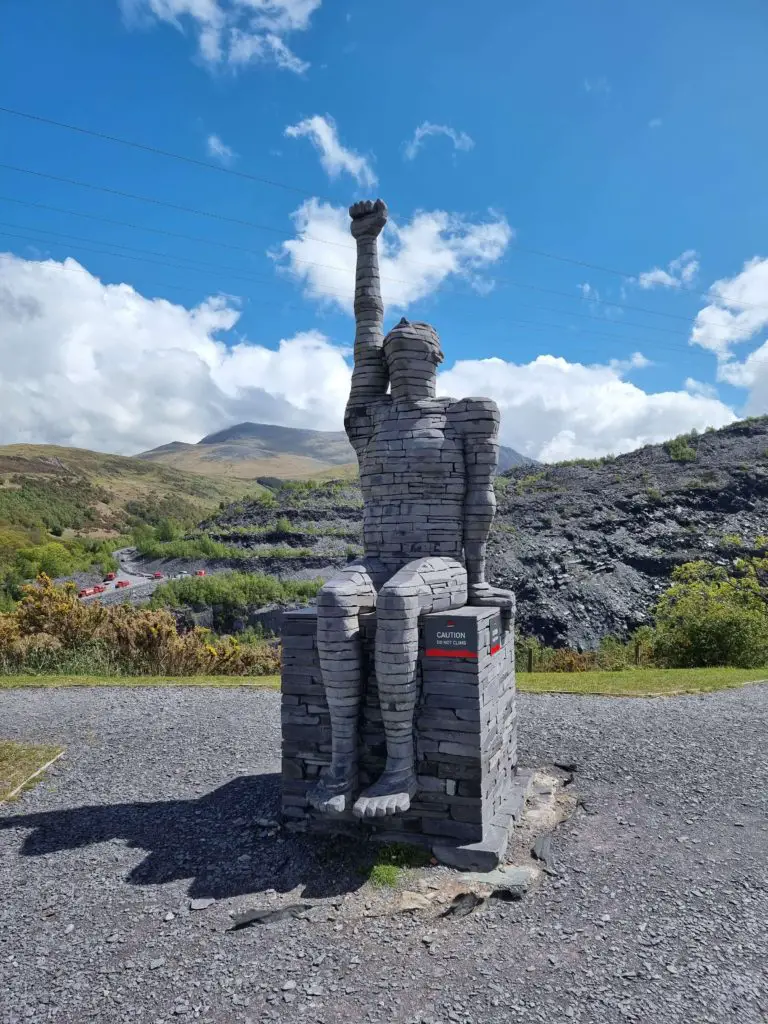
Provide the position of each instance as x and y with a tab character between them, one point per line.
587	548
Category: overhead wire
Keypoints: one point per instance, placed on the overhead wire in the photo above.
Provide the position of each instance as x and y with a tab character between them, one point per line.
108	137
235	274
339	294
157	151
261	227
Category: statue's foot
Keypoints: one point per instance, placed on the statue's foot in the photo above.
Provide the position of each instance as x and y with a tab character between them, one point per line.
333	791
392	794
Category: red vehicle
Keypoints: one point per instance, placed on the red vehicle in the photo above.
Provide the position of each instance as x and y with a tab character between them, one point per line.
110	576
122	583
157	575
99	588
87	592
200	572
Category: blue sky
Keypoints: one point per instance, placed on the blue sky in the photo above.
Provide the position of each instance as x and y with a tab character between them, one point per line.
626	136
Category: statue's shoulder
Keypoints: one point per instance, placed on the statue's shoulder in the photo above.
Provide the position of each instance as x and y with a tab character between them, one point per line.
476	415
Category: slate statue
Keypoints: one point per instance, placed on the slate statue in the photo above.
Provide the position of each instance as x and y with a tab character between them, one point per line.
426	471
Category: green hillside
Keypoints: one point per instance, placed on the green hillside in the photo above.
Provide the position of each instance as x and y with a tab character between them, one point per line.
63	510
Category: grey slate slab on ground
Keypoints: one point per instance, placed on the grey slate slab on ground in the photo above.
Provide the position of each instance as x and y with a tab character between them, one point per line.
658	915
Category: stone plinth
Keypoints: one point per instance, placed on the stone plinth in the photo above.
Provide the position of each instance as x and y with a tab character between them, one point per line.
465	731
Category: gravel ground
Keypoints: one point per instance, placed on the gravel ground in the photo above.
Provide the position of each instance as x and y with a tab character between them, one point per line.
656	916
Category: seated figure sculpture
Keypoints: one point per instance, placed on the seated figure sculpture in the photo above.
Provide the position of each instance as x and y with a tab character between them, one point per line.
426	472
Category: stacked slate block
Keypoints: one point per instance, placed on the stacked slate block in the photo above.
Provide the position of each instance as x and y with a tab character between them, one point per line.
465	735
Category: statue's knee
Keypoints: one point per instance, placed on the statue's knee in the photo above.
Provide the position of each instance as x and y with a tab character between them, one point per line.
396	603
337	597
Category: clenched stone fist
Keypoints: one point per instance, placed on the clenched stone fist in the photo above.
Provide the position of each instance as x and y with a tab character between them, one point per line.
368	218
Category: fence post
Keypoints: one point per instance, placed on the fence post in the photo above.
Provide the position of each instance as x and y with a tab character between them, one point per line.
637	652
530	659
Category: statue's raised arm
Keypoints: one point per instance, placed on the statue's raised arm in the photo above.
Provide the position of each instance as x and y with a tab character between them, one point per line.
370	378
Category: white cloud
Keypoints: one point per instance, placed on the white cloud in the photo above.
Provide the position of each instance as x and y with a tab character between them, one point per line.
552	409
335	159
460	140
101	366
679	272
220	150
738	310
636	361
700	387
415	257
235	32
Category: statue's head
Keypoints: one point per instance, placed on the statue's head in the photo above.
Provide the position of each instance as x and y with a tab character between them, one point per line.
412	343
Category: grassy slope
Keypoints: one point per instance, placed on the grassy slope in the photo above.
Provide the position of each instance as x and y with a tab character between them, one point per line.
126	479
19	761
633	683
202	461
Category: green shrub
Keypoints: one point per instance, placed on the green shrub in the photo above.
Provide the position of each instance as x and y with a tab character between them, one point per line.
679	448
233	590
710	616
51	504
731	540
612	655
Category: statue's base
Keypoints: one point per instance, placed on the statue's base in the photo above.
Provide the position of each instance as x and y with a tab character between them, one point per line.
465	725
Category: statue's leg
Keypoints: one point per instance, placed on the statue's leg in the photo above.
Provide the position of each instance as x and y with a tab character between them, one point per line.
339	604
425	585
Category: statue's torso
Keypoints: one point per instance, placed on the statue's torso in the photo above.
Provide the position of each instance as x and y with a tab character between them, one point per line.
413	481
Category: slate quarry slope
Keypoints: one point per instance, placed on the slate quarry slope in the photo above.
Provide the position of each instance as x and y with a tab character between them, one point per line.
587	547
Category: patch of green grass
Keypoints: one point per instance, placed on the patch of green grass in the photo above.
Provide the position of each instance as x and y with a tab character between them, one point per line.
384	875
647	682
528	481
392	859
20	761
11	682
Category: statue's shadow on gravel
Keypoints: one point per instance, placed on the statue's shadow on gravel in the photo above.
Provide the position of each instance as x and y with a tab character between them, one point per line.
215	841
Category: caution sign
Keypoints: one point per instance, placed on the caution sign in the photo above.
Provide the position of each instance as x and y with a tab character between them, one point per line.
448	636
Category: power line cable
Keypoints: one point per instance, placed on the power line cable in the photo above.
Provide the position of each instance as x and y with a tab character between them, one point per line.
162	152
335	341
51	122
261	227
339	294
254	279
162	202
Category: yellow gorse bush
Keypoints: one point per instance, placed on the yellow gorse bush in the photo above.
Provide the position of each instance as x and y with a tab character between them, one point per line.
142	641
